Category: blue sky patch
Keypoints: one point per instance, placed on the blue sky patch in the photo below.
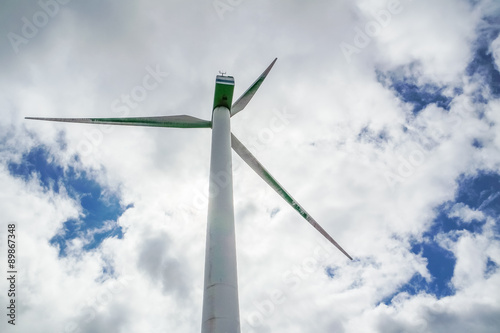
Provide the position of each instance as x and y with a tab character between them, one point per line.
416	285
482	66
38	161
491	267
409	91
477	143
445	224
330	271
440	264
100	208
480	192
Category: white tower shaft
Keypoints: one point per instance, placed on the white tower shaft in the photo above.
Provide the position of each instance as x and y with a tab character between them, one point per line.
220	298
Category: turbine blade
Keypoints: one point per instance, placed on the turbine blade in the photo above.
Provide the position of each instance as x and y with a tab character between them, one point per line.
181	121
247	156
247	96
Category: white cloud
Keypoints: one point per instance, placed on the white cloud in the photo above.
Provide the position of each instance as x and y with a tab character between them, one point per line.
465	213
495	51
351	153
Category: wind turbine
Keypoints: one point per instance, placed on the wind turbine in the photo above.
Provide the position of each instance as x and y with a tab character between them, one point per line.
220	298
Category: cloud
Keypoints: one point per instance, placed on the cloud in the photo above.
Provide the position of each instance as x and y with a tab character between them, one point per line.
495	50
395	153
154	261
466	214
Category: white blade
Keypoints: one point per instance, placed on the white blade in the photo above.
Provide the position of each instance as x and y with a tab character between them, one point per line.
247	156
181	121
247	96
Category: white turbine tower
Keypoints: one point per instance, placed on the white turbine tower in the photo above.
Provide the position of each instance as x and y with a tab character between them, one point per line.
220	298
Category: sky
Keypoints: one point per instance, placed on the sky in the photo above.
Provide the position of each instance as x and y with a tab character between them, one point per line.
381	117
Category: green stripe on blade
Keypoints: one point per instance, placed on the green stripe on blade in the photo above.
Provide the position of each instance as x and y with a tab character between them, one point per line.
181	121
247	96
247	156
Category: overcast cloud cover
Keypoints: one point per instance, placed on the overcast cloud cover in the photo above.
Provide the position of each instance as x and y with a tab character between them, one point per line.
382	118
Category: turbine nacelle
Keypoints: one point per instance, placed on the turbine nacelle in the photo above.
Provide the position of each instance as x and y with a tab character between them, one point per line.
224	87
